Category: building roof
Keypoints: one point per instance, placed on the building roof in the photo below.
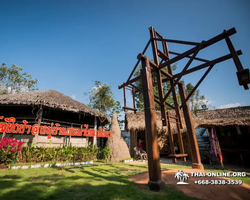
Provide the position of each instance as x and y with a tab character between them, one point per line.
224	117
51	99
218	117
136	122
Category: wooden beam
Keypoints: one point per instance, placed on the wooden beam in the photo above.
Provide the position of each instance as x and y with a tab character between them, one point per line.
172	81
131	81
199	59
171	139
162	55
158	76
235	59
95	128
196	159
40	113
204	65
154	167
124	96
143	52
128	108
177	155
193	50
177	41
133	93
198	84
180	141
184	70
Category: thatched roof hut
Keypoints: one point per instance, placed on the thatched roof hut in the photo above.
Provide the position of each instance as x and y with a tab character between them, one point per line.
224	117
136	122
219	117
51	99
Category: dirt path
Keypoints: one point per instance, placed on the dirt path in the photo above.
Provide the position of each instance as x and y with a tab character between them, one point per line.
206	192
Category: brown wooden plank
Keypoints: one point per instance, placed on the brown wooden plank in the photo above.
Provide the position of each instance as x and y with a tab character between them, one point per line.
196	159
199	59
207	43
204	65
128	108
199	82
171	138
154	167
162	55
158	76
133	94
183	71
177	155
124	95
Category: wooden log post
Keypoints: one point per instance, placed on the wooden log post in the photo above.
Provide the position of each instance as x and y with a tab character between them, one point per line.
154	168
39	124
133	92
195	154
133	142
171	139
4	134
158	76
95	128
180	141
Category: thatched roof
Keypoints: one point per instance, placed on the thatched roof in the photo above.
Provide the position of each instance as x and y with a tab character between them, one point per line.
136	122
224	117
218	117
51	99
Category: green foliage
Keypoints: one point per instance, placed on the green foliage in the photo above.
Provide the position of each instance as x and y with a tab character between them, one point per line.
105	153
57	154
13	79
9	148
102	98
196	100
166	87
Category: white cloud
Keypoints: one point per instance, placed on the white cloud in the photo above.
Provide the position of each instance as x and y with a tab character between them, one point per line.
95	88
230	105
73	96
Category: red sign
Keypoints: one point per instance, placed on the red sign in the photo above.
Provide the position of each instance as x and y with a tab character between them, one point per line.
9	126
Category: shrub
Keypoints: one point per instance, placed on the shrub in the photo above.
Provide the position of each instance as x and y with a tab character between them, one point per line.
57	154
105	153
9	147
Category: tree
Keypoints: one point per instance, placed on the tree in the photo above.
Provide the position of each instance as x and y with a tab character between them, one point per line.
195	101
13	79
102	98
139	96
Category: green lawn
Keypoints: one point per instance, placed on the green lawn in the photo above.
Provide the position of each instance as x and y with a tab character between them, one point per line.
98	181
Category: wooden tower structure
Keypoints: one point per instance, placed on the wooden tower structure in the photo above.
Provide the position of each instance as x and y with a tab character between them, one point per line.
162	61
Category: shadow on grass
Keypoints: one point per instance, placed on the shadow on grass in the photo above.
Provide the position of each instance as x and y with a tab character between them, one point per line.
95	183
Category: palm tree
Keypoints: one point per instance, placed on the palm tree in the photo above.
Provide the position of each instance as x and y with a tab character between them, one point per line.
185	177
181	176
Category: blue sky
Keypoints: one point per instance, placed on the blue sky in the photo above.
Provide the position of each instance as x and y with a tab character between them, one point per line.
67	45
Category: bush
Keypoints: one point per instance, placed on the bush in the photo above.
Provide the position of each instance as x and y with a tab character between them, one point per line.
105	153
9	147
57	154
